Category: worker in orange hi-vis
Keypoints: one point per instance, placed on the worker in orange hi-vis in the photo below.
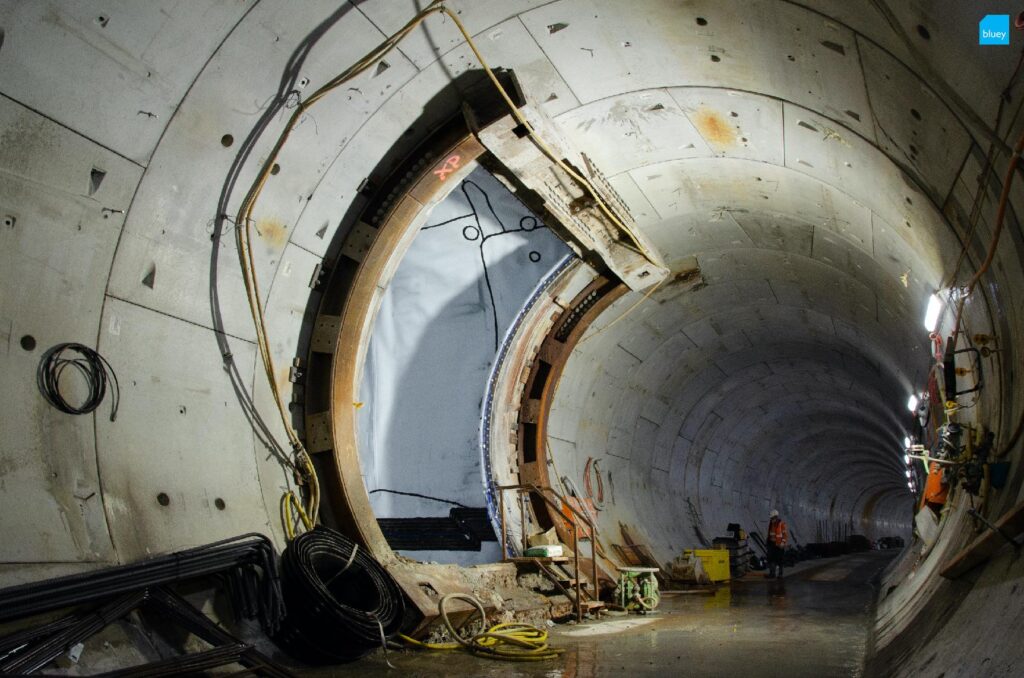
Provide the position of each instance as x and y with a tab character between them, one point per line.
936	488
778	535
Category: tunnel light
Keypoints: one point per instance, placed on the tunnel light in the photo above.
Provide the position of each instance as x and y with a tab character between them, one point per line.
931	315
908	474
912	402
906	440
906	458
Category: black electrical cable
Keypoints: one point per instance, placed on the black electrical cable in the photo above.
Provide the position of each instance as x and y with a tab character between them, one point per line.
93	367
419	496
340	601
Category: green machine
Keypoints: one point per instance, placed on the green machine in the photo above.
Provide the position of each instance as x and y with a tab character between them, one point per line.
638	589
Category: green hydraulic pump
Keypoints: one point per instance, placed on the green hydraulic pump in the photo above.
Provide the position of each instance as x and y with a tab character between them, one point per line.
638	589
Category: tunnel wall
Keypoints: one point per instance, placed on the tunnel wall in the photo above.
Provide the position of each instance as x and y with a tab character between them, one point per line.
161	88
117	168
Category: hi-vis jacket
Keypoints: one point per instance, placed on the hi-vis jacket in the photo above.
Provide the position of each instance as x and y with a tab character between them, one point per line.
777	532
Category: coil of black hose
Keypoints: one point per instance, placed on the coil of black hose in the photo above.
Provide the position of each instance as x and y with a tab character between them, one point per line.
93	367
340	602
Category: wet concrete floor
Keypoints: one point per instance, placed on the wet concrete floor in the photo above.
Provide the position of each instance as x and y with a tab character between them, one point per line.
812	623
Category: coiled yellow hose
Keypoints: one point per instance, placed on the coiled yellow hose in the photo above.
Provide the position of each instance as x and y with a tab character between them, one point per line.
508	642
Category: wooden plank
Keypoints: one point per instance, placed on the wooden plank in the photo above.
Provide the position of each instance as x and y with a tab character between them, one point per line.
985	546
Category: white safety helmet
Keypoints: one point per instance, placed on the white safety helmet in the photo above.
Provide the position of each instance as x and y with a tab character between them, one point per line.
774	514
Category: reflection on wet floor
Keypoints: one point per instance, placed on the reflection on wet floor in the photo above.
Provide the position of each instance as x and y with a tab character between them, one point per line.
812	623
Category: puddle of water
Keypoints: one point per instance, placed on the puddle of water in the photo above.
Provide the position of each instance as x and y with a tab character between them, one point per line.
604	628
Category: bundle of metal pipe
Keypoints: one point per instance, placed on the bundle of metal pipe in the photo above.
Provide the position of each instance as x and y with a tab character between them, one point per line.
247	561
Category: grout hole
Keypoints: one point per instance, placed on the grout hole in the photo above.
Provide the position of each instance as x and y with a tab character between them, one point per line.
701	21
219	503
227	140
1	38
909	201
102	20
96	177
163	499
791	57
381	67
914	112
834	46
275	169
734	114
10	220
923	32
715	58
28	342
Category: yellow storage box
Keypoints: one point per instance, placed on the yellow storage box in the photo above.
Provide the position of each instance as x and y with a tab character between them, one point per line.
715	562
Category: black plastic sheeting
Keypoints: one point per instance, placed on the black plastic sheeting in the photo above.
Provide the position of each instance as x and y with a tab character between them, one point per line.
463	530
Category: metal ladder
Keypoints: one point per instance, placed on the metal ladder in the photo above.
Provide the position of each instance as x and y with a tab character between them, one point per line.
582	594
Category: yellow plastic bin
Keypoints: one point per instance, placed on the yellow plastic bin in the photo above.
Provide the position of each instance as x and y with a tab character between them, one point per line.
715	562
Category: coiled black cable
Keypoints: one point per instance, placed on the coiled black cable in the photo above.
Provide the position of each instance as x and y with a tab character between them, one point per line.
341	603
93	367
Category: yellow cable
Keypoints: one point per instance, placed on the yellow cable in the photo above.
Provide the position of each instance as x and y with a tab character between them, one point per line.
647	295
544	147
290	502
244	221
243	238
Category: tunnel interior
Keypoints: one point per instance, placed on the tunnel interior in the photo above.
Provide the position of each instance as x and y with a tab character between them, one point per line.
811	174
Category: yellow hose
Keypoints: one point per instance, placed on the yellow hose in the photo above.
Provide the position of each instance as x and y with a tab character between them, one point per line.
507	642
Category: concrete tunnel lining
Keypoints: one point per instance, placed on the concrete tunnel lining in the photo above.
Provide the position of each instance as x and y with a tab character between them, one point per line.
841	172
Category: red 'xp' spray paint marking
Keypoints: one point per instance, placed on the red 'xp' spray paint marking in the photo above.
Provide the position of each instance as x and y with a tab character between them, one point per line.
450	165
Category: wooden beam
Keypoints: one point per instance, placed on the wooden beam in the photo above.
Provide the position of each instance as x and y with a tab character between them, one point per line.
985	546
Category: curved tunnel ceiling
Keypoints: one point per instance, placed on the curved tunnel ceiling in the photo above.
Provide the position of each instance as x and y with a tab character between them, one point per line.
814	160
